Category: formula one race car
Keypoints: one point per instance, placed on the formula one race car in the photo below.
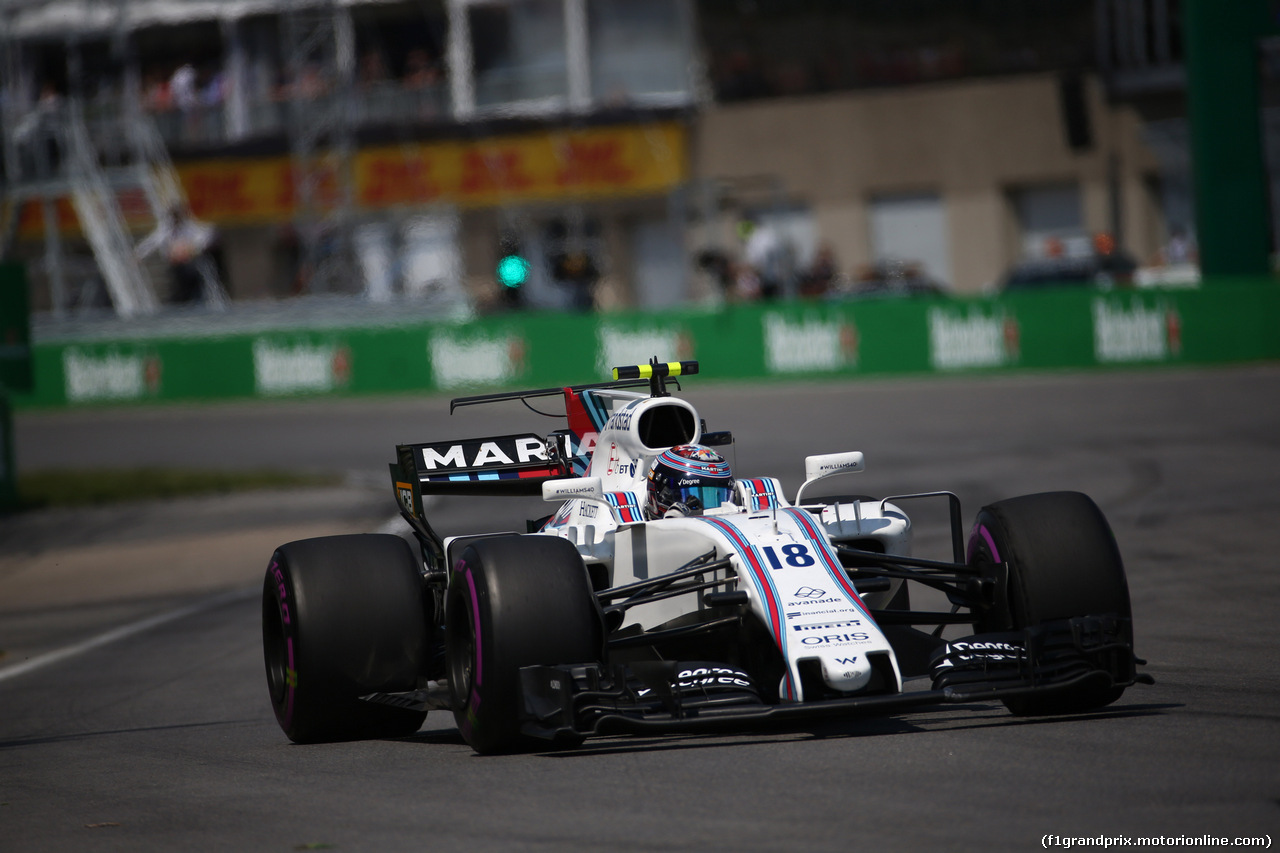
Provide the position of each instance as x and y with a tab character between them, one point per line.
665	595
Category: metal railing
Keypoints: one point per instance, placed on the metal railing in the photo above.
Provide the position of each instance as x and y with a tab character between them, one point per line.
376	104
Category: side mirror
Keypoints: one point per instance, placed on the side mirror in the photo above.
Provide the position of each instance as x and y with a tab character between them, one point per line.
588	488
829	465
716	439
713	439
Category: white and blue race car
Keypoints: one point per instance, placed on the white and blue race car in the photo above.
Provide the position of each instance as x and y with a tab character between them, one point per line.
663	594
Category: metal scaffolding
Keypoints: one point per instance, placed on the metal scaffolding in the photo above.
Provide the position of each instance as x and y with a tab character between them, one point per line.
52	151
319	55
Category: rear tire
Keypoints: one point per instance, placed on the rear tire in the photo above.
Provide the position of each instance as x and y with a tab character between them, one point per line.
513	601
1063	563
343	617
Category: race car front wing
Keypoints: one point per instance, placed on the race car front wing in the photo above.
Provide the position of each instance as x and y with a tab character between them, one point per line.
567	703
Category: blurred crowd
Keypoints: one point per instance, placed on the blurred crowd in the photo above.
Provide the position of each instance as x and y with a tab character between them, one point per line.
186	86
188	97
764	268
766	265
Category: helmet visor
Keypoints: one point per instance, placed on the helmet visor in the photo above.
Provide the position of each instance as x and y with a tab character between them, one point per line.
702	497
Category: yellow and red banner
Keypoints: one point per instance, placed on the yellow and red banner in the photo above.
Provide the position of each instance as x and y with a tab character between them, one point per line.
589	163
599	162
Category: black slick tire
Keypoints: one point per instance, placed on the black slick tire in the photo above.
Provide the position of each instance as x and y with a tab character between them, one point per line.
513	601
1063	563
343	617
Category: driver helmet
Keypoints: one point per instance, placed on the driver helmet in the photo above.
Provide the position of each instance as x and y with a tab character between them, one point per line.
688	479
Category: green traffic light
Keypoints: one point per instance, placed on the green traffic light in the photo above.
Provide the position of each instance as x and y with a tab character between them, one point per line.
513	270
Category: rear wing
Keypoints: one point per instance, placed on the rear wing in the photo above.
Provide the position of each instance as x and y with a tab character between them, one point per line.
518	464
497	465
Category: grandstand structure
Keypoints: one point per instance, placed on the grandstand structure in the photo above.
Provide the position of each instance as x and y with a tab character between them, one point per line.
337	145
393	152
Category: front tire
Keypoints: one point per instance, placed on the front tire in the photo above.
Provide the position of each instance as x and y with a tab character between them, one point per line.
1063	563
513	601
343	617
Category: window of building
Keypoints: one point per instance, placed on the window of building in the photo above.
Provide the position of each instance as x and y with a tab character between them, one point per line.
909	236
657	250
518	51
1050	221
638	51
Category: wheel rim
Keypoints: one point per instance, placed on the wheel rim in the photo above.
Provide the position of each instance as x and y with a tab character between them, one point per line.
275	651
273	646
462	652
983	549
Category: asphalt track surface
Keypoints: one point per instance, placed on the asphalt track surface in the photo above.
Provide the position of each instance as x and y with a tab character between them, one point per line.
159	736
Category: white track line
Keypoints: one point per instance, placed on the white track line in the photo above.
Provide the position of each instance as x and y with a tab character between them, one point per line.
129	630
394	524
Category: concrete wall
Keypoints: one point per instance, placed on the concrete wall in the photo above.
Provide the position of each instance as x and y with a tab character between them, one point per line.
972	142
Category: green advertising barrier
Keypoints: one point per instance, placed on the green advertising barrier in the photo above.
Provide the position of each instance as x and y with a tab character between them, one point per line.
1233	321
